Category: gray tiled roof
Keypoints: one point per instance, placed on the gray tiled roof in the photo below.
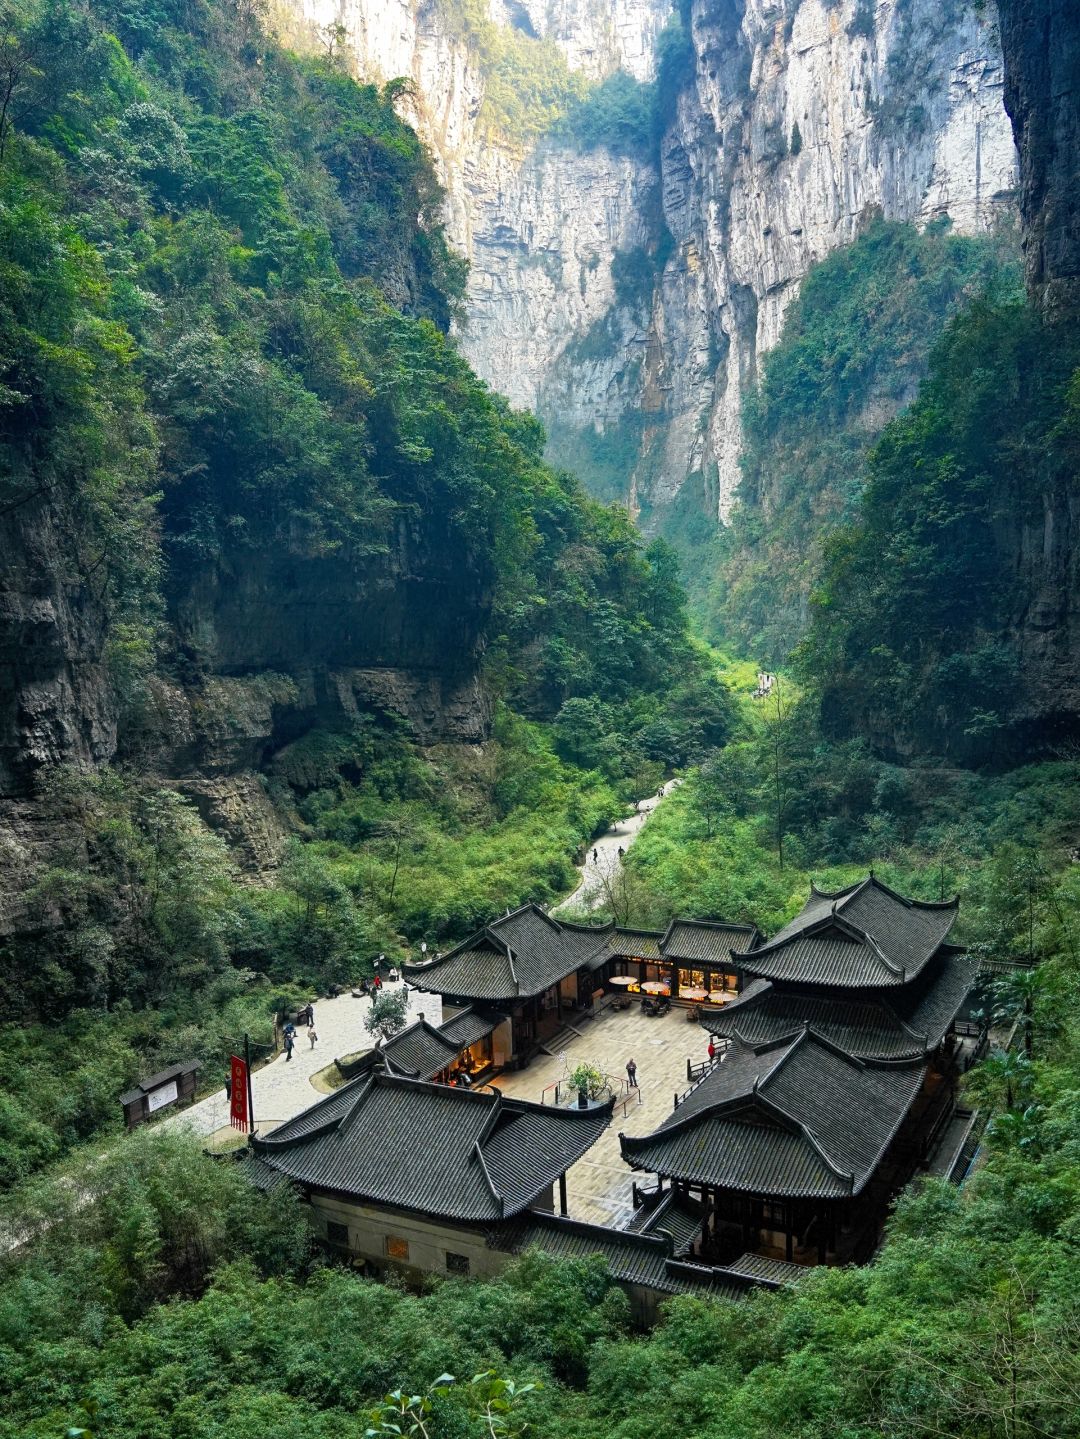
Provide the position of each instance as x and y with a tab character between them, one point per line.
679	1217
635	943
174	1071
764	1270
520	955
797	1119
865	936
641	1259
702	940
903	1023
469	1026
929	1008
460	1154
260	1174
421	1050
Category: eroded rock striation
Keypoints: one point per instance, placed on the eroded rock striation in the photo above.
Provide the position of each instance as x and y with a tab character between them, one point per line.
1041	43
628	298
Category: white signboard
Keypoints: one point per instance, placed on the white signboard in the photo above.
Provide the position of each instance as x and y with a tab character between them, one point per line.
158	1098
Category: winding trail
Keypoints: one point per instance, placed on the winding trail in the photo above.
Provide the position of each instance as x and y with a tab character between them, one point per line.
621	835
283	1089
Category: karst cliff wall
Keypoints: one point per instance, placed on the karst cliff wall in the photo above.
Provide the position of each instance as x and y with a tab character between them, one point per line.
1041	45
259	647
792	121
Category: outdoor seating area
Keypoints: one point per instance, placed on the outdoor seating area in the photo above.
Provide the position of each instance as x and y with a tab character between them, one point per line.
694	994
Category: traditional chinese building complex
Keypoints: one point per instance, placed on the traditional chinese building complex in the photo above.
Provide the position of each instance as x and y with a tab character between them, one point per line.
834	1068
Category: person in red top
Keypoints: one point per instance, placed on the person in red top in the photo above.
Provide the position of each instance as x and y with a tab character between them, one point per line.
712	1051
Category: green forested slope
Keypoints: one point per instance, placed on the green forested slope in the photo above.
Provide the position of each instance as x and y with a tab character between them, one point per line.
965	1325
854	347
224	292
944	614
221	336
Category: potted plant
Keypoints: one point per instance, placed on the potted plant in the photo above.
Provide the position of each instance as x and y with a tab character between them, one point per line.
591	1084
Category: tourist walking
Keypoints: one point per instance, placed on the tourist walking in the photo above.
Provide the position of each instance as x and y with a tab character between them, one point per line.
622	852
312	1036
712	1050
595	857
290	1040
631	1074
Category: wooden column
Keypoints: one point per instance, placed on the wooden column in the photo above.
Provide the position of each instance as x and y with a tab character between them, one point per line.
562	1192
789	1224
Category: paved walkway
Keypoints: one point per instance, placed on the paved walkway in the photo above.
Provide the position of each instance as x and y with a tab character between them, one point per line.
599	1184
590	892
283	1088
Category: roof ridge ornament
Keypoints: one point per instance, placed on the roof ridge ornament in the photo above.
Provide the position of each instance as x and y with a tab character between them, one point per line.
498	1198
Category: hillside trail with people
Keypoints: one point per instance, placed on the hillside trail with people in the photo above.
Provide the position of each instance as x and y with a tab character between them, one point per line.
605	853
283	1088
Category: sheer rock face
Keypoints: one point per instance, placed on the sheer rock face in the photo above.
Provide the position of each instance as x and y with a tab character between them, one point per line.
796	119
266	644
416	614
1041	44
800	123
57	706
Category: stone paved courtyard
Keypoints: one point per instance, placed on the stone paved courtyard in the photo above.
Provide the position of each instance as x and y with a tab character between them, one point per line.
598	1186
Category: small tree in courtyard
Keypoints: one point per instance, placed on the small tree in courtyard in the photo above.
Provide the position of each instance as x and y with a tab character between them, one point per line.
589	1079
387	1015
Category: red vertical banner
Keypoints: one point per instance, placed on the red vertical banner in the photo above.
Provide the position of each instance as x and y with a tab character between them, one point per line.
238	1105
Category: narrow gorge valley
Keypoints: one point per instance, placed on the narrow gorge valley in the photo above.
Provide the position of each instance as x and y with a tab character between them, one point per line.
451	451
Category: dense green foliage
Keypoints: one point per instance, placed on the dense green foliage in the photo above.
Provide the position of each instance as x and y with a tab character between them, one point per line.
222	318
913	621
780	804
528	86
618	114
223	302
187	231
531	93
966	1324
854	347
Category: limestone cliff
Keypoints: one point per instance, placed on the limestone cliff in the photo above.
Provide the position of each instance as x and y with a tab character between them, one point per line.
794	119
1041	42
263	645
801	120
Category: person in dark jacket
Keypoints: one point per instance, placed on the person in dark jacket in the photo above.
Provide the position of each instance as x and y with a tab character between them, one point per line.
631	1074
